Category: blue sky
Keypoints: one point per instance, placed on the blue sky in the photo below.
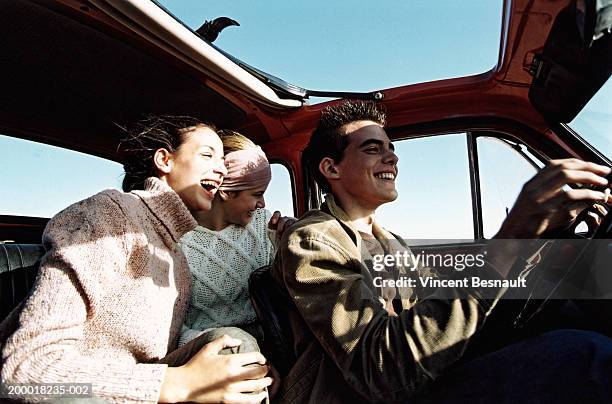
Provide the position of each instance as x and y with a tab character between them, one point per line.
329	45
355	45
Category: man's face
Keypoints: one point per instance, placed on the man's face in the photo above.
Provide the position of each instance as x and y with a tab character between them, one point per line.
367	172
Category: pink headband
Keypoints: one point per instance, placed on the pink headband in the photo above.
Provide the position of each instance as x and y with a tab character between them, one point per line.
246	169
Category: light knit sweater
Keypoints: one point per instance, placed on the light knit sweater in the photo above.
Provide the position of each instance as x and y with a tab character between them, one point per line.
221	262
110	296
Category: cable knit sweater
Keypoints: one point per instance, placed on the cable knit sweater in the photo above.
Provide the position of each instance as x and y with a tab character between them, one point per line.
109	299
221	262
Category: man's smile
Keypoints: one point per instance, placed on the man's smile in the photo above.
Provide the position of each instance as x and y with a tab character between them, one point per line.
386	175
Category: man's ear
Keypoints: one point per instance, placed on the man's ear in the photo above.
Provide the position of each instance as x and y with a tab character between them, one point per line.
163	160
327	167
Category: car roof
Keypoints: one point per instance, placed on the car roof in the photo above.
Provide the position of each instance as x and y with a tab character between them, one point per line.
73	72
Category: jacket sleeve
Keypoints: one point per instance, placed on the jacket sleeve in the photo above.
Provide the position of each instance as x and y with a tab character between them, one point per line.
384	358
82	242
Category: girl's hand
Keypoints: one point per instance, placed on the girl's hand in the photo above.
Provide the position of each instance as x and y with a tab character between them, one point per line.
212	378
280	223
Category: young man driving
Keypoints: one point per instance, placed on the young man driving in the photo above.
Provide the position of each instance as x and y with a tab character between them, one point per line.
359	343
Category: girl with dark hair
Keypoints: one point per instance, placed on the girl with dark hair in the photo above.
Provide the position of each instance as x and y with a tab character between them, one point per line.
113	288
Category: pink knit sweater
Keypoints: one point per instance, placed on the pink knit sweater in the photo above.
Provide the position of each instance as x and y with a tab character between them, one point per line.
109	299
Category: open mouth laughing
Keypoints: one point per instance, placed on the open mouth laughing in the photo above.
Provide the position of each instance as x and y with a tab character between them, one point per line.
387	175
210	186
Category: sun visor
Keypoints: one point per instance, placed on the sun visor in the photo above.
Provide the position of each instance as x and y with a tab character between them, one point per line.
575	62
153	23
593	19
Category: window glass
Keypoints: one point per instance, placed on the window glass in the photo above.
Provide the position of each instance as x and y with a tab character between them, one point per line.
434	190
503	172
594	122
40	180
279	195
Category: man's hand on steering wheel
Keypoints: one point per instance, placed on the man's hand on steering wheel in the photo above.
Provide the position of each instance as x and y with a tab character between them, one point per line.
545	208
592	217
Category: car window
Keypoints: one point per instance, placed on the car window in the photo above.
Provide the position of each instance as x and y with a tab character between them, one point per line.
503	171
434	190
594	122
39	180
279	195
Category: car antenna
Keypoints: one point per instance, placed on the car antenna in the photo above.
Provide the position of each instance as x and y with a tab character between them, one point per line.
210	30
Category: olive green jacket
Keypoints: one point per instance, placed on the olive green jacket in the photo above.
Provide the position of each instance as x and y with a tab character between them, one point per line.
349	349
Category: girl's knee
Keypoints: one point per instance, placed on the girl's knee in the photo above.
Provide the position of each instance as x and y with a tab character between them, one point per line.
249	343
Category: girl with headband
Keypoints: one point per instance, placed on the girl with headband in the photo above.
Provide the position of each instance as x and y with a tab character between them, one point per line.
231	241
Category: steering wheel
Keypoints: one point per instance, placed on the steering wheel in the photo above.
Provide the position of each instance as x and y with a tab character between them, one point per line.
591	256
604	231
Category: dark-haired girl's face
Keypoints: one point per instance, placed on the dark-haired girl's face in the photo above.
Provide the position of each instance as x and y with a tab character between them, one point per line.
197	168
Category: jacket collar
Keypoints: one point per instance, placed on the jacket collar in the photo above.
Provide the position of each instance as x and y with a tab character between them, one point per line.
168	207
389	241
383	236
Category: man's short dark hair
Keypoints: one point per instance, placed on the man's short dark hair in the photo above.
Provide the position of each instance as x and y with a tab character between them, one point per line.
328	141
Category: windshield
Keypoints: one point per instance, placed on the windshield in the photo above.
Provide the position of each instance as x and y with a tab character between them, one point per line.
355	45
594	122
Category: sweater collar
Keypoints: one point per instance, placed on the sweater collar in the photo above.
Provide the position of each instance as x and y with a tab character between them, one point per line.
168	207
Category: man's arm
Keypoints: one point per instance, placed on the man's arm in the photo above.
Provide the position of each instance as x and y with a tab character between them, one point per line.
380	356
546	206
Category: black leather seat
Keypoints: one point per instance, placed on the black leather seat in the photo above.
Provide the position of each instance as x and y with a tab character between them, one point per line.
18	269
272	305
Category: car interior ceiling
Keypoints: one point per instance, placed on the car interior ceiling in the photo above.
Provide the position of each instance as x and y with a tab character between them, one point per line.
66	83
